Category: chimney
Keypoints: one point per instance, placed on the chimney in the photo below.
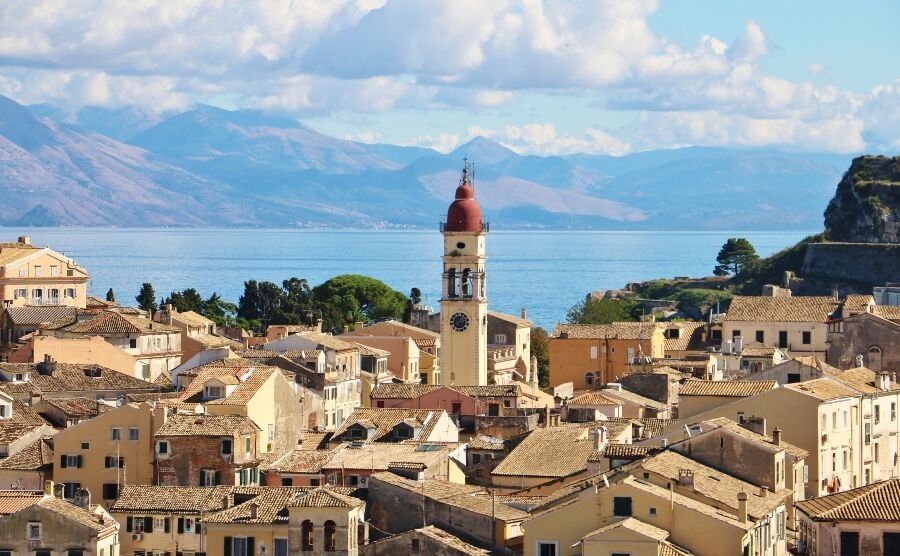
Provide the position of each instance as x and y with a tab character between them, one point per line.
524	313
686	478
25	239
742	507
776	436
358	325
225	502
254	510
319	325
763	492
885	380
599	438
345	330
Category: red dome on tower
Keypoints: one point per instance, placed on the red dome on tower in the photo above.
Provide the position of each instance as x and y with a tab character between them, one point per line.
464	214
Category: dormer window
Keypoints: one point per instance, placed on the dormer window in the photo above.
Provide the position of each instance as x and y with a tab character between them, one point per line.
403	432
213	392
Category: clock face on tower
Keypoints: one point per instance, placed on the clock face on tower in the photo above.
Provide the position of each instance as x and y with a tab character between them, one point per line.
459	321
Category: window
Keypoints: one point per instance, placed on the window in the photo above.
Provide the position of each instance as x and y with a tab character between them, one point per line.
226	446
70	272
589	378
330	536
287	481
134	433
547	548
824	423
33	531
893	411
23	272
69	490
280	547
240	546
849	543
38	270
651	512
162	447
807	337
760	336
306	536
867	434
793	378
455	408
782	339
500	339
110	491
69	461
414	545
37	294
132	343
877	414
735	334
209	477
622	506
115	434
69	293
213	392
593	352
43	552
53	294
21	293
271	431
247	445
54	270
112	462
85	445
834	420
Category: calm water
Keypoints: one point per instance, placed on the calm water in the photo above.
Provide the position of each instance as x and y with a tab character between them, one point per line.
547	272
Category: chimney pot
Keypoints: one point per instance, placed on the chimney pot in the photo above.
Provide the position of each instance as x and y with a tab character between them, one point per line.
776	436
763	492
25	239
524	313
254	510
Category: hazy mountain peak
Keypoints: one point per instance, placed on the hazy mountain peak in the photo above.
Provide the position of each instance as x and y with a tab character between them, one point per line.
21	127
484	151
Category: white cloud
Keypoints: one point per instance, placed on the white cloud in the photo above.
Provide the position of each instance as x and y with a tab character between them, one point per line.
816	69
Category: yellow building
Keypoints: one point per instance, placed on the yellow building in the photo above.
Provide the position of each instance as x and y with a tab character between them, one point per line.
287	520
31	275
588	355
109	451
793	323
464	339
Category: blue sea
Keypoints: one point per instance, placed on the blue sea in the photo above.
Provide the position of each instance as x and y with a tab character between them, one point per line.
545	271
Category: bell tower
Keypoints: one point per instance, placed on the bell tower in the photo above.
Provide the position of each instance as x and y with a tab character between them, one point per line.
463	293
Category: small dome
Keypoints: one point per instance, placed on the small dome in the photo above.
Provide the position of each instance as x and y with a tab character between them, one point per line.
464	214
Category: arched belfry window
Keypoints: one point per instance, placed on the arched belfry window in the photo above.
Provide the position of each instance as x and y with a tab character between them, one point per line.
589	378
330	536
451	283
306	536
873	360
467	282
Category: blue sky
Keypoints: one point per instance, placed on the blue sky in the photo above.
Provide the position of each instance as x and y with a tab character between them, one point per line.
605	76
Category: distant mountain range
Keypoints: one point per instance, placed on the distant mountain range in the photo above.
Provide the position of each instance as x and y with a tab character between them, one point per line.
213	167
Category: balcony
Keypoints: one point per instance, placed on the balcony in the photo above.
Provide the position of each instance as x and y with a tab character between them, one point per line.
42	302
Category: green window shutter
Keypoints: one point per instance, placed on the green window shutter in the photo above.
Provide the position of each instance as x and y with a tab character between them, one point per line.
197	527
78	460
62	462
128	523
148	524
166	525
227	551
180	525
251	546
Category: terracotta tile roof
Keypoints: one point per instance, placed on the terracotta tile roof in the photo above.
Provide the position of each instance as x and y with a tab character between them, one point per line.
11	431
379	456
77	407
724	516
512	319
73	378
874	502
403	391
889	312
40	314
206	425
857	303
756	349
113	322
625	451
453	494
652	426
395	328
12	501
733	426
323	497
11	252
485	442
594	398
370	351
490	390
301	461
864	380
713	484
780	309
549	452
635	398
314	440
170	499
33	457
424	342
825	388
191	318
726	388
410	465
77	514
25	414
385	420
229	371
688	337
440	536
272	503
616	330
327	341
632	524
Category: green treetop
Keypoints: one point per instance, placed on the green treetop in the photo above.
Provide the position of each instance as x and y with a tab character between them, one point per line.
737	253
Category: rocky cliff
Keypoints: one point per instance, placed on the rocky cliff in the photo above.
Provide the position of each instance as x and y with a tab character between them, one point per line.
866	207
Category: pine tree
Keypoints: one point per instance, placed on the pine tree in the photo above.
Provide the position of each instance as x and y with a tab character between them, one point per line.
737	253
147	297
111	295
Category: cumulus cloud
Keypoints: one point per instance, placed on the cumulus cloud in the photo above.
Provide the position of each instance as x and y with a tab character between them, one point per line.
325	57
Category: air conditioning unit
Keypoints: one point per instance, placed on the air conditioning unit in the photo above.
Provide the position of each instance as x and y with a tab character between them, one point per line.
137	536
